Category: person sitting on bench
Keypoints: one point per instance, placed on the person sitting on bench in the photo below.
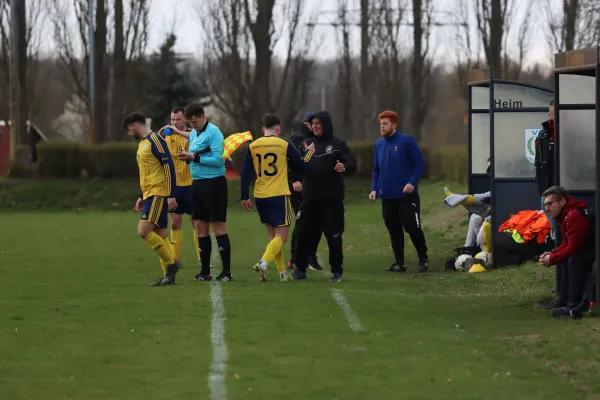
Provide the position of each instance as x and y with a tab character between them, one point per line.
576	253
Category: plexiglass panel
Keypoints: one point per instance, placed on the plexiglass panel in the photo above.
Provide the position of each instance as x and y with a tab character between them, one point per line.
577	141
480	142
514	137
480	98
515	96
576	89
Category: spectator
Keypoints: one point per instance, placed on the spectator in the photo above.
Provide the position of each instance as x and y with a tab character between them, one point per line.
398	165
576	252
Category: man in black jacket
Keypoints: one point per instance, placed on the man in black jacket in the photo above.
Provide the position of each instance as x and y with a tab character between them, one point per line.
322	208
300	132
545	174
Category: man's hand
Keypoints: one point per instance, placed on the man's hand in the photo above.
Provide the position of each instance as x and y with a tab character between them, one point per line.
545	259
297	186
173	128
185	156
339	167
310	147
139	204
172	203
408	189
247	205
373	195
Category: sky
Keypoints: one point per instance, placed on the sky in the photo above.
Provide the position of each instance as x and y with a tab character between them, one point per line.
165	12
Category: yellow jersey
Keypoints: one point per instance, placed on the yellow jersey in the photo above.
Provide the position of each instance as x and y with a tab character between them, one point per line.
178	144
157	173
268	158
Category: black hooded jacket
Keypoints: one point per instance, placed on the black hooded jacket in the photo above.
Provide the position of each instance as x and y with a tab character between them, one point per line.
320	177
300	133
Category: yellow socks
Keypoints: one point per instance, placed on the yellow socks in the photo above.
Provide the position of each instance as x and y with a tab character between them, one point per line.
469	201
273	248
280	262
177	241
197	246
161	247
487	237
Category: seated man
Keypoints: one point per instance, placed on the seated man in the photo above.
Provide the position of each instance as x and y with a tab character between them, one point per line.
576	252
479	207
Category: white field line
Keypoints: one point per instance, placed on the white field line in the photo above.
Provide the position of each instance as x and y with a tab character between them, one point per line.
352	318
218	368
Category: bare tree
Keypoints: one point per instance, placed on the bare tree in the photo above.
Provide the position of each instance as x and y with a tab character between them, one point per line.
465	58
491	17
345	68
422	65
575	25
388	65
364	65
240	37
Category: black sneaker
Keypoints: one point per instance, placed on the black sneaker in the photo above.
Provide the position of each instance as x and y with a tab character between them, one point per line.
396	268
224	276
203	277
423	266
550	304
313	264
298	275
163	282
561	312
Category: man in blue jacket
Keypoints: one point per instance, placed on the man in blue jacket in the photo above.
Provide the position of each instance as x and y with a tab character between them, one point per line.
398	165
209	190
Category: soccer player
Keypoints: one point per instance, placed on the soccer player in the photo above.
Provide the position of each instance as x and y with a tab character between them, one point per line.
268	158
178	141
209	190
157	178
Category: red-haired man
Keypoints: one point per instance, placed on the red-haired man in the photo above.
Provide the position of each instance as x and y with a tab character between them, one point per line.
398	165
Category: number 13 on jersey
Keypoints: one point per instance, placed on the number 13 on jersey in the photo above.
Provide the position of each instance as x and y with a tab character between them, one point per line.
267	164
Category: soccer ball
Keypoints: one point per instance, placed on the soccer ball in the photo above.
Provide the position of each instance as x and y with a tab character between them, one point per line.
460	262
485	257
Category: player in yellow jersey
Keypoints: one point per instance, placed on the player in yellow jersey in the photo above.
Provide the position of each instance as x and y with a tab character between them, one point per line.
268	159
177	137
157	178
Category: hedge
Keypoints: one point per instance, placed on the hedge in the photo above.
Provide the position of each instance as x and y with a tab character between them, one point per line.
60	159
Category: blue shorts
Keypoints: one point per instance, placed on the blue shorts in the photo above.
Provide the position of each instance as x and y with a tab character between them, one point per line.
275	211
155	211
183	196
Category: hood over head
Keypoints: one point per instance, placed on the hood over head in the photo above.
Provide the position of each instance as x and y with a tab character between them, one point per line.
325	122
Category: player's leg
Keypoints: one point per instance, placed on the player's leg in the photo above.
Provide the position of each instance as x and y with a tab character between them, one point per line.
295	199
282	232
154	215
218	222
200	219
411	221
276	214
332	216
176	236
195	237
390	209
308	229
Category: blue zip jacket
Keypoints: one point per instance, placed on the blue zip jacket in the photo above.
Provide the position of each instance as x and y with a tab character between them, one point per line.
208	147
397	161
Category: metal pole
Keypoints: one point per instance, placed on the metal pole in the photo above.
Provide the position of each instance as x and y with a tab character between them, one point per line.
91	68
597	194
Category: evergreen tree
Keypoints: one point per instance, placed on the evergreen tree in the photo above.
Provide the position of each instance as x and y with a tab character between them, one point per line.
170	83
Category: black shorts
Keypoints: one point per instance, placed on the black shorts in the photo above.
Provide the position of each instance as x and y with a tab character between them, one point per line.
183	196
209	199
274	211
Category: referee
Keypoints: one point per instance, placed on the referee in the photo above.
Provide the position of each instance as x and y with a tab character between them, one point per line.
209	190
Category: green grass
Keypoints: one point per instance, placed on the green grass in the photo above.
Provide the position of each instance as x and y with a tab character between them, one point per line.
77	320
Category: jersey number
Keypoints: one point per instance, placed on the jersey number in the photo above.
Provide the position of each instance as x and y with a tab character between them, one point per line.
266	171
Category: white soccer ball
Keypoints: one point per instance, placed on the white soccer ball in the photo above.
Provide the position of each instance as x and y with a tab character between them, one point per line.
485	257
460	262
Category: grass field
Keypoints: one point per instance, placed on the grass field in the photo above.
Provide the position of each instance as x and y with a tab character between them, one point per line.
77	320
